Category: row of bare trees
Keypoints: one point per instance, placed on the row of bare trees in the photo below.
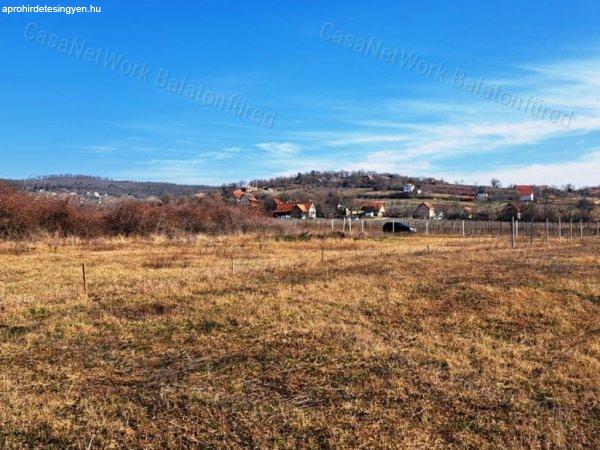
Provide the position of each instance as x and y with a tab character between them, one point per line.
23	215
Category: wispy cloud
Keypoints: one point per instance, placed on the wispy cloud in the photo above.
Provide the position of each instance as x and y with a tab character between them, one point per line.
279	148
581	172
426	134
441	129
228	153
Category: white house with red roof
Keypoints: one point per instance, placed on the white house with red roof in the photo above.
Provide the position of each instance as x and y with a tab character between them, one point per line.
292	210
373	209
525	193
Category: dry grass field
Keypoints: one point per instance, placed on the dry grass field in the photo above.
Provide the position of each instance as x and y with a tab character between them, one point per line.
381	344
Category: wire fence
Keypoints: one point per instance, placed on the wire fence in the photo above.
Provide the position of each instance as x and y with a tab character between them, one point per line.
373	227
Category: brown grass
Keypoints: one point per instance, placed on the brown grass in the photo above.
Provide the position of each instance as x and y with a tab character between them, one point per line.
384	344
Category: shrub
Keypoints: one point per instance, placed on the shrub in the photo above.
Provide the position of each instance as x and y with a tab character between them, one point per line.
23	214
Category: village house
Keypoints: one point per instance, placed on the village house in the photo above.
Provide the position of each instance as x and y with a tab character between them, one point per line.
342	210
247	187
373	209
408	188
345	211
306	210
525	193
481	194
467	213
424	211
507	211
245	198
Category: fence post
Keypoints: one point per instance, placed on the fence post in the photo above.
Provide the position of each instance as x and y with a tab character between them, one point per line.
427	227
581	228
531	233
559	228
571	228
84	279
463	228
547	229
512	232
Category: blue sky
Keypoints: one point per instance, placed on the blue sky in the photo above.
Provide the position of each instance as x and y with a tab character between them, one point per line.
333	105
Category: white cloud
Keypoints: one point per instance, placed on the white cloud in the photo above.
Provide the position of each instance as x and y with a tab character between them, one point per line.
279	148
228	153
582	172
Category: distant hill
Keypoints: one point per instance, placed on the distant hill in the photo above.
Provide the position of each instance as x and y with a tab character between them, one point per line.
395	182
83	184
381	185
344	179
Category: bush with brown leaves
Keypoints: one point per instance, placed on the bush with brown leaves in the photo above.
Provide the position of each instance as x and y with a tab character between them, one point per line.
25	215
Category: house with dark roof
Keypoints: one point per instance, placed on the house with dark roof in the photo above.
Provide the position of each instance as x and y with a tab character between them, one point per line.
424	211
481	194
507	211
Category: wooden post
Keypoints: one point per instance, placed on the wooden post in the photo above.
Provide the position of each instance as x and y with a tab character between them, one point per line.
531	233
512	232
571	228
463	228
581	228
547	229
427	227
362	225
84	279
332	220
559	228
